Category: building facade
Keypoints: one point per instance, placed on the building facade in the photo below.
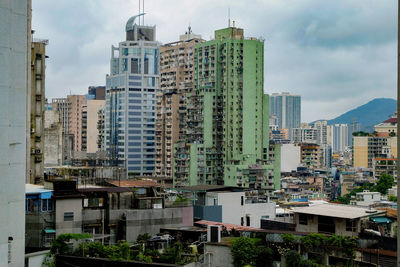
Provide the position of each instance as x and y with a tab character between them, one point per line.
53	138
38	56
15	49
338	137
176	78
287	108
93	107
130	100
75	120
226	138
366	148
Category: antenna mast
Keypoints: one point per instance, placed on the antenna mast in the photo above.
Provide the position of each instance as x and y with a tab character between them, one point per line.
143	15
139	12
229	17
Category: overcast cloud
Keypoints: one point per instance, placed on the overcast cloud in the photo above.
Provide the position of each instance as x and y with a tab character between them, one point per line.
337	54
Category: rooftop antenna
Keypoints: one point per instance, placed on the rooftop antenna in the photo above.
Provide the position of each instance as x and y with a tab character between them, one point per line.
229	17
139	12
143	15
189	29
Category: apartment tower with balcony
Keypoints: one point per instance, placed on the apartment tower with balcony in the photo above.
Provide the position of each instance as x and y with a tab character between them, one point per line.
226	136
176	80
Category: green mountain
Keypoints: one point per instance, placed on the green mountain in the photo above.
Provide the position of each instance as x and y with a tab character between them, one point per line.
368	115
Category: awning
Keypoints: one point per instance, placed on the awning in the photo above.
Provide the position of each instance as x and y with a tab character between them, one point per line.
381	220
49	231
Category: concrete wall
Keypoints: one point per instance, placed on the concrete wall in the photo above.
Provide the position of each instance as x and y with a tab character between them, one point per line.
14	104
52	138
232	210
68	205
290	157
217	256
150	221
36	259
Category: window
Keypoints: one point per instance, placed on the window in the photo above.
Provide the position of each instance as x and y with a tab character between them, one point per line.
350	225
242	200
303	219
68	216
47	205
241	221
247	220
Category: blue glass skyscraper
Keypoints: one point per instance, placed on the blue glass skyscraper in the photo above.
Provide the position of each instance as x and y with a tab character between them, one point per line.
130	100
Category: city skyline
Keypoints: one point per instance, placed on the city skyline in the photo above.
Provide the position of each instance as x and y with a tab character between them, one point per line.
330	50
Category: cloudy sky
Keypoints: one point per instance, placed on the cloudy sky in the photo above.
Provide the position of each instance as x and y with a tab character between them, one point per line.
337	54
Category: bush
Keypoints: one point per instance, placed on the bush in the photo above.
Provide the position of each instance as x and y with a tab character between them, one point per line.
244	251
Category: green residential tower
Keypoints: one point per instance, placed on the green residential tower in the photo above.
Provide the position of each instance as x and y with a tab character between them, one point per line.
226	136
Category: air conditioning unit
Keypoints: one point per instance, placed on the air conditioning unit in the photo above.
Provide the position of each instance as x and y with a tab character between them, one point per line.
37	151
32	130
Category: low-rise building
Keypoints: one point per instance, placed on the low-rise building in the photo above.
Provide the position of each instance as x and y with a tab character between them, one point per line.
365	198
384	166
337	219
230	205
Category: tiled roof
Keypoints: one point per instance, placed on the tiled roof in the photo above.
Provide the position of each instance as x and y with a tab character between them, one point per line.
391	120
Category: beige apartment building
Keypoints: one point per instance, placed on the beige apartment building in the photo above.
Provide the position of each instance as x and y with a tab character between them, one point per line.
75	114
92	132
176	75
37	99
366	148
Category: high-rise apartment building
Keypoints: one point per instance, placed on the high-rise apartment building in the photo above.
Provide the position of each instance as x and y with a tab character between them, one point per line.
287	108
322	132
130	100
62	105
226	136
15	49
75	120
92	132
338	137
176	77
37	99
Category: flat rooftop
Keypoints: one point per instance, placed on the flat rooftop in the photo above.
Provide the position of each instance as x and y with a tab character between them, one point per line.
338	211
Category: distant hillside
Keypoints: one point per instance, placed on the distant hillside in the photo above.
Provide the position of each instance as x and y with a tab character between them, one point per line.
368	115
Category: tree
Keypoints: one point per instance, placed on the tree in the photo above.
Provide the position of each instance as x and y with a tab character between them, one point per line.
385	182
265	257
293	258
244	251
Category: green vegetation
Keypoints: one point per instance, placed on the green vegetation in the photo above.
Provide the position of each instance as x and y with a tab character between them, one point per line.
384	182
315	243
122	251
392	134
247	252
361	133
393	198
